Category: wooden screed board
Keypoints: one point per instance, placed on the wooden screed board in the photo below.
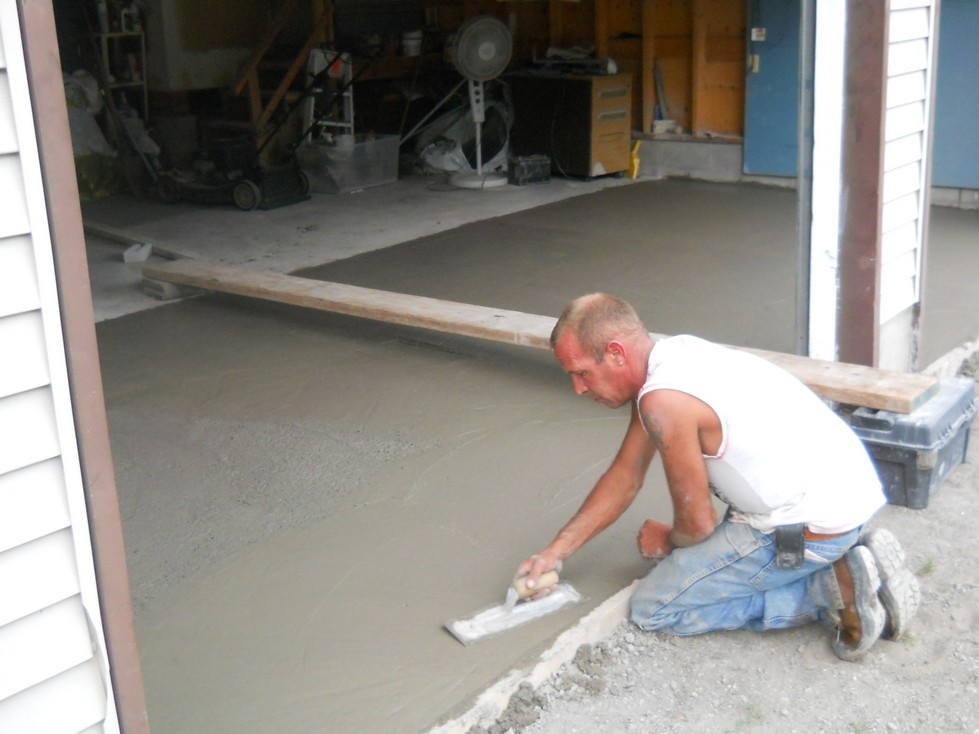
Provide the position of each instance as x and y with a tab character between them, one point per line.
843	383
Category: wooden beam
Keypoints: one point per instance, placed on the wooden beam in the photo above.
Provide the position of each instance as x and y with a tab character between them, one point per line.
851	384
464	319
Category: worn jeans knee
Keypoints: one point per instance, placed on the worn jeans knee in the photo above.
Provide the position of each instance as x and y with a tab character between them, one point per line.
731	581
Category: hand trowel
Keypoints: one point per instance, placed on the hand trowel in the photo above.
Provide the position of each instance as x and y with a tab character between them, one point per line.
516	609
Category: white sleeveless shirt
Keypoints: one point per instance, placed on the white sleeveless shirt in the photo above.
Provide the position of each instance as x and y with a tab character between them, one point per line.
785	457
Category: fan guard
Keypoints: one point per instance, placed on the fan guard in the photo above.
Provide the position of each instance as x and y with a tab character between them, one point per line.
481	48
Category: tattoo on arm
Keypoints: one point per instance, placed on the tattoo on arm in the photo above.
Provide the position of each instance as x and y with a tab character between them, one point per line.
655	430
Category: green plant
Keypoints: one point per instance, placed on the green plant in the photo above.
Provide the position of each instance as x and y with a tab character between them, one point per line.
751	716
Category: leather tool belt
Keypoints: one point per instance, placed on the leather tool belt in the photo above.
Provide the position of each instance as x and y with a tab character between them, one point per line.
790	544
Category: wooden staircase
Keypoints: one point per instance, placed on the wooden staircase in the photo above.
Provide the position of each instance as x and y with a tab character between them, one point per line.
273	60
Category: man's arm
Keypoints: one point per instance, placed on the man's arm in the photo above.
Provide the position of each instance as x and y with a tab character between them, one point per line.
682	428
610	497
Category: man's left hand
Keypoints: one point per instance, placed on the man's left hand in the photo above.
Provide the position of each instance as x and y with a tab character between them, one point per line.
654	539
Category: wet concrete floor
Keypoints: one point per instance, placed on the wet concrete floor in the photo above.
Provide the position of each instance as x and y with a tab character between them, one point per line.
306	498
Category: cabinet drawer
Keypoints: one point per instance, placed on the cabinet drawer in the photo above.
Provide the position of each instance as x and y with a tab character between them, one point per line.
612	119
609	153
611	93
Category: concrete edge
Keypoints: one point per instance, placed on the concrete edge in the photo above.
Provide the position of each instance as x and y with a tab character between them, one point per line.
949	364
593	627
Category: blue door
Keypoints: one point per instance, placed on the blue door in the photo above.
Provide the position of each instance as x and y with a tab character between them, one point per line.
772	88
955	157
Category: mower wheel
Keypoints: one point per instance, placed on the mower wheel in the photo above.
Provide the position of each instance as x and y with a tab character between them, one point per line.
247	195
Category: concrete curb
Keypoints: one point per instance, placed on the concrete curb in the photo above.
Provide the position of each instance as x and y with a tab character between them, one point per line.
593	627
949	364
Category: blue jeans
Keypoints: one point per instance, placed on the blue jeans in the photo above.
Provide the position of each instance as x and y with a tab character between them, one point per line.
730	581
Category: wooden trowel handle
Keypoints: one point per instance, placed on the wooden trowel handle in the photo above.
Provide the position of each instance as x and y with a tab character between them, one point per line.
548	578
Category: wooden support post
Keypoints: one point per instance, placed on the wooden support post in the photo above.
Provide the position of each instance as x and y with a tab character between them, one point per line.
254	95
648	59
601	27
323	9
555	27
84	376
698	65
858	316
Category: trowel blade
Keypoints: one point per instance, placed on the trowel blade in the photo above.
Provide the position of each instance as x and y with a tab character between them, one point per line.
503	617
512	597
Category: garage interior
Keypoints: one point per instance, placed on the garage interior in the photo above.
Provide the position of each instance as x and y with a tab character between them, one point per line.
306	497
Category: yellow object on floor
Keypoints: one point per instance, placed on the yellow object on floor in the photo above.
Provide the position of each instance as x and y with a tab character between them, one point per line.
634	161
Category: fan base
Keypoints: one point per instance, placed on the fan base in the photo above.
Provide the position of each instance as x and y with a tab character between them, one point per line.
478	180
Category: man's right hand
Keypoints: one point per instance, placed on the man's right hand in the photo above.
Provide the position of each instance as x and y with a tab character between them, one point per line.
532	569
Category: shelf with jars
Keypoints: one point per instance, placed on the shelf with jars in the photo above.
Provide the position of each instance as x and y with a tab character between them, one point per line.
122	44
124	66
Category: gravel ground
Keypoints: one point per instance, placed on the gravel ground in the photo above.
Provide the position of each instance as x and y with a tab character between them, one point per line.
791	681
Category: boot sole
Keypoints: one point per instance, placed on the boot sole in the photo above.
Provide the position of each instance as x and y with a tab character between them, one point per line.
899	589
866	584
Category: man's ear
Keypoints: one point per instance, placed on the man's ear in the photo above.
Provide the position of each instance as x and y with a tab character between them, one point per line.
616	352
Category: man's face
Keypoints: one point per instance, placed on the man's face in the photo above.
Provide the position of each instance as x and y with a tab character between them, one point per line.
604	382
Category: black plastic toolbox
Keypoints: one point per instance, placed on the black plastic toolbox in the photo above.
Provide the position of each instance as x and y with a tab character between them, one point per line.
915	452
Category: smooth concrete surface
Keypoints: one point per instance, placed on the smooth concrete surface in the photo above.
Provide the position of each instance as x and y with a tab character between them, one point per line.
306	498
704	258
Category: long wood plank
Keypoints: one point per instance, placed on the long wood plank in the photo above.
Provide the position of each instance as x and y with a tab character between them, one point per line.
464	319
850	384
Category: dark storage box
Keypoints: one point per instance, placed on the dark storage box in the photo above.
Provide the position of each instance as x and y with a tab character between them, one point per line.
914	453
528	169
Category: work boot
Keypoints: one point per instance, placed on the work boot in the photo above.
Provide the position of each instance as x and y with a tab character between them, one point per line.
862	618
899	590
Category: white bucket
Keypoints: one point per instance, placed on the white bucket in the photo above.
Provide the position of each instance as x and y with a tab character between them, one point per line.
411	43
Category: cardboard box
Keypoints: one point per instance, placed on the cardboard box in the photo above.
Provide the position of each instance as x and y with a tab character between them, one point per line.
914	453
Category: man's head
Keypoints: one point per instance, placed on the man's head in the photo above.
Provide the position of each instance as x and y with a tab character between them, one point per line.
602	344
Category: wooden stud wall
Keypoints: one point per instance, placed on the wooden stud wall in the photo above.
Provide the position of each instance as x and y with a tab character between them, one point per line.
618	35
667	40
699	46
717	80
571	23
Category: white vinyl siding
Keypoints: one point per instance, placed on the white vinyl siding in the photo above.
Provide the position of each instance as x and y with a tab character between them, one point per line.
53	665
909	60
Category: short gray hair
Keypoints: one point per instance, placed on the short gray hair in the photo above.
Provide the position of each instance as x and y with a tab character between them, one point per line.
595	320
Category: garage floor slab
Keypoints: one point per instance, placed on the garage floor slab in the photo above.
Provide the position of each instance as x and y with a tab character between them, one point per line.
307	497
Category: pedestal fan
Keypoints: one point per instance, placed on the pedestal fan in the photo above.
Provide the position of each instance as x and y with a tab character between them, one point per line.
480	51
